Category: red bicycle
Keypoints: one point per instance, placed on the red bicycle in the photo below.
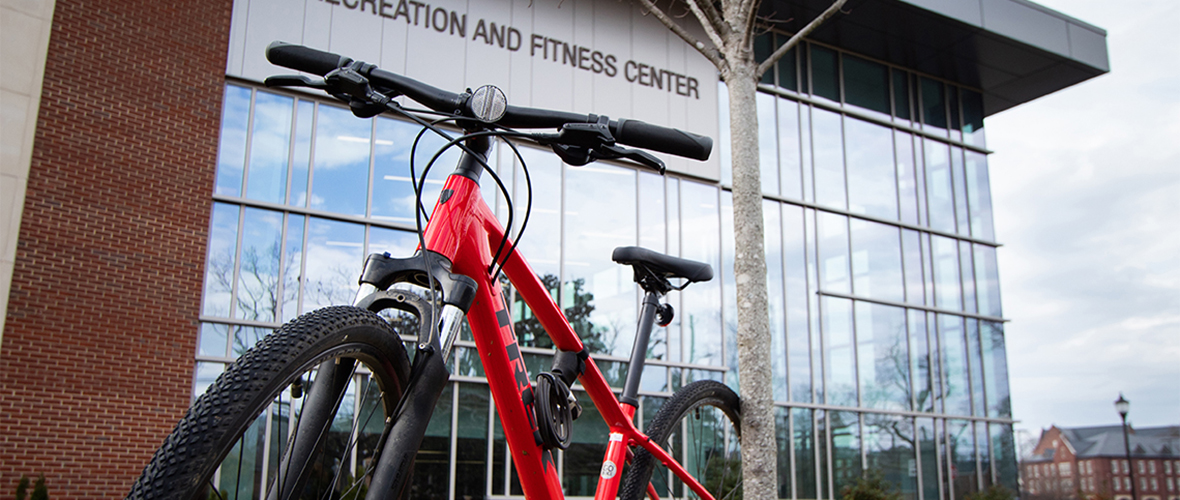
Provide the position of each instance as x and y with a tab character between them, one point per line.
299	375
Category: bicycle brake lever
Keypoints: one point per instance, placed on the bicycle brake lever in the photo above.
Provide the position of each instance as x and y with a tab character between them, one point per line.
641	157
295	81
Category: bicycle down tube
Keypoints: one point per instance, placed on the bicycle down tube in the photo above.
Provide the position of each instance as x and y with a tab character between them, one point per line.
463	229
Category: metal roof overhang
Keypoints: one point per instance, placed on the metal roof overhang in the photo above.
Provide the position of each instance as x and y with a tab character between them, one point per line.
1013	50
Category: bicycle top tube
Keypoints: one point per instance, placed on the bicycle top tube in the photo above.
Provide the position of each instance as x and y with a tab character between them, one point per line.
628	132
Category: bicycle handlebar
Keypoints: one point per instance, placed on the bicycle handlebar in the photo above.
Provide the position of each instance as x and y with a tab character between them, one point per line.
629	132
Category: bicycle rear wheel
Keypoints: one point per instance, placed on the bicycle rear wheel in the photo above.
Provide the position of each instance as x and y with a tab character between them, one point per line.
699	427
302	414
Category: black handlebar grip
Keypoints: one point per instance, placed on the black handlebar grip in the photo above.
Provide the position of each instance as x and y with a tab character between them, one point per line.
663	139
304	59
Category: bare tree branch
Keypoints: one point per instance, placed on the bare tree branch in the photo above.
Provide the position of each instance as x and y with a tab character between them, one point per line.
710	20
794	40
711	55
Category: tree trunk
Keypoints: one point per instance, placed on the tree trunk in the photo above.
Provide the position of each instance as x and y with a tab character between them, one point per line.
759	453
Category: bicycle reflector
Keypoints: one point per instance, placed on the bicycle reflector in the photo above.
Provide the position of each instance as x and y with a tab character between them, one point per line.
488	103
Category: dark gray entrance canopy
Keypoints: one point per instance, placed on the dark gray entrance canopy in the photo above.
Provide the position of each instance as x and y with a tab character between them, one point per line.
1013	50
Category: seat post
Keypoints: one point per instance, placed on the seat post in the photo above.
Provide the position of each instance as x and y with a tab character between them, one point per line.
647	317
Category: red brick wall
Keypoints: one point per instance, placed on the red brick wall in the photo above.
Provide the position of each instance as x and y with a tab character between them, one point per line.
97	357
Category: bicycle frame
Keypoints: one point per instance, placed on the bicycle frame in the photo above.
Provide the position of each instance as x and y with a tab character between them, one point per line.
464	230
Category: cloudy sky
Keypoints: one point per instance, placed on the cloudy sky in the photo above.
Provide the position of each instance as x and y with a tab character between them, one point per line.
1086	185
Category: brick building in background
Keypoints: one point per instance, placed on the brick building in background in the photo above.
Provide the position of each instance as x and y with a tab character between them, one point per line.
1091	463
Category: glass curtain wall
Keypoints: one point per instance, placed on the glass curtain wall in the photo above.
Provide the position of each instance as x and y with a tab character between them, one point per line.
888	338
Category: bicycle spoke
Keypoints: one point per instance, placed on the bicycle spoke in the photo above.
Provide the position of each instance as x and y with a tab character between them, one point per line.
214	488
354	438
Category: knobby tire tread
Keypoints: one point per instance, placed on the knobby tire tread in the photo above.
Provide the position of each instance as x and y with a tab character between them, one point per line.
688	398
196	447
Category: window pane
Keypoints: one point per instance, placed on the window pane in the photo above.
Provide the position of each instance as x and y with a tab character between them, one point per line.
258	276
301	161
946	273
782	437
775	297
269	148
933	105
882	355
723	139
829	158
995	367
960	444
600	203
866	84
292	266
954	362
921	365
979	196
876	261
973	118
833	253
340	171
583	459
334	260
929	458
700	224
962	218
1004	447
907	181
393	190
471	449
975	368
889	448
789	150
432	463
798	333
213	340
846	467
396	243
872	185
787	78
912	255
839	361
901	94
953	102
767	137
825	80
219	272
763	46
803	440
939	196
729	290
231	153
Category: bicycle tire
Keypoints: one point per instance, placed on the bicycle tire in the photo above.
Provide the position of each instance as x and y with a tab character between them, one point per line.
184	466
707	416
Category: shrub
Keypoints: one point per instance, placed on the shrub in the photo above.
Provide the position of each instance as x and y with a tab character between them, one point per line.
871	486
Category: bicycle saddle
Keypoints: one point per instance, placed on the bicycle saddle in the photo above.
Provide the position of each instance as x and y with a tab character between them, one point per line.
665	266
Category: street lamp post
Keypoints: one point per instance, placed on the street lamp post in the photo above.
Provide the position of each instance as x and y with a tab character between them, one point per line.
1123	406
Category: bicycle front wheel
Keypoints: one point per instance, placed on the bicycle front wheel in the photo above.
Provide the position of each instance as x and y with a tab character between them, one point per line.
301	415
699	427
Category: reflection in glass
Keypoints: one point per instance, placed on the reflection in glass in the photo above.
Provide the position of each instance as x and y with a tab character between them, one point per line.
432	463
795	280
883	366
789	153
846	466
219	270
724	156
979	196
871	171
472	441
213	338
901	94
1004	448
782	437
269	144
953	104
259	265
907	182
292	266
787	72
968	274
231	153
912	256
889	448
583	459
995	369
600	203
340	170
929	463
829	158
866	84
954	364
946	273
729	290
876	261
939	199
767	137
933	105
973	119
825	77
960	443
962	218
334	258
701	316
803	441
975	368
301	160
985	460
920	363
839	361
833	252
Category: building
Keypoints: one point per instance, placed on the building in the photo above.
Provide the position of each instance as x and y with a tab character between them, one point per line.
1091	463
163	210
